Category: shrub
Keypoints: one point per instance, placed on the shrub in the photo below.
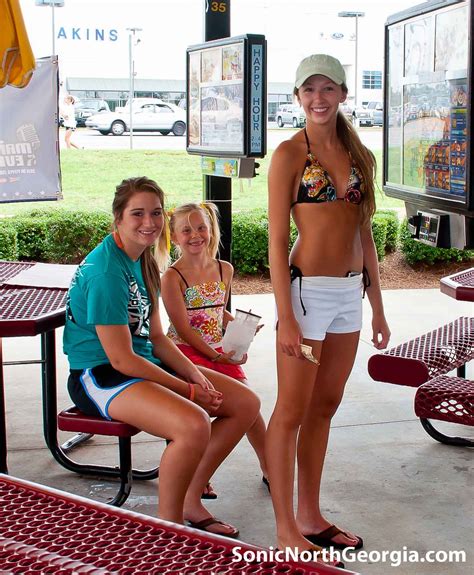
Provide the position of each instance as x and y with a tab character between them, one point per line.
70	236
379	231
250	242
415	251
62	236
8	241
393	228
31	236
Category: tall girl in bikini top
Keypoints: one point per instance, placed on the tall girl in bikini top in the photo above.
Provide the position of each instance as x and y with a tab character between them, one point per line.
317	187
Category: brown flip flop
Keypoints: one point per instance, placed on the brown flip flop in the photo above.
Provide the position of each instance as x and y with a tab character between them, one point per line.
204	523
326	538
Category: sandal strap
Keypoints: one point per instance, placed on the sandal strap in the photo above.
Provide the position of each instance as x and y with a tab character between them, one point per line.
206	522
331	532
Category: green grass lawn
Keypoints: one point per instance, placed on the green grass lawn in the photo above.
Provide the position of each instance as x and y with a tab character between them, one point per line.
89	178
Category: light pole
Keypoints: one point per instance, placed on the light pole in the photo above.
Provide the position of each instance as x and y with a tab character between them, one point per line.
53	4
131	38
355	15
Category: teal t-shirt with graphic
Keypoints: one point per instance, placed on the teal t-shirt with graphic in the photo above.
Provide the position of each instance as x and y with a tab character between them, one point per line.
107	289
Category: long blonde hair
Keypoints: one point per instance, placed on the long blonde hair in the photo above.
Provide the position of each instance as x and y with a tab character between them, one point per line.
155	257
361	156
210	213
364	159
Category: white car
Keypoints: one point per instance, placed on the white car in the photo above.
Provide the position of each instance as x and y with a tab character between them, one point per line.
290	114
159	116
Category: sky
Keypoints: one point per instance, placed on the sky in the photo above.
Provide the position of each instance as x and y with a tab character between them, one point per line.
293	28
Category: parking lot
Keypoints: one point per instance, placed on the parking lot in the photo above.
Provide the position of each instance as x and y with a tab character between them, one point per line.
91	139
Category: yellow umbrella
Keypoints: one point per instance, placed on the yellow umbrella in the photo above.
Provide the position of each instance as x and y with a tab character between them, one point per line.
16	57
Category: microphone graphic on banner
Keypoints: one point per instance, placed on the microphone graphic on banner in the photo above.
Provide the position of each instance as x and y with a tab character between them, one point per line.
28	133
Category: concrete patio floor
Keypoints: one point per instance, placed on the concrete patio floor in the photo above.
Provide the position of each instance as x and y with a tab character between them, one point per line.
385	478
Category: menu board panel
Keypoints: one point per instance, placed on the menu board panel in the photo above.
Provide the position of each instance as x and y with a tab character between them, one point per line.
428	105
227	97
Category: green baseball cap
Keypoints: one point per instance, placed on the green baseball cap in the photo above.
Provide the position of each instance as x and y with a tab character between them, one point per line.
322	64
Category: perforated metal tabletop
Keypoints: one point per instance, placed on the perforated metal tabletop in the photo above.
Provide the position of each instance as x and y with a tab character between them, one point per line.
459	286
47	531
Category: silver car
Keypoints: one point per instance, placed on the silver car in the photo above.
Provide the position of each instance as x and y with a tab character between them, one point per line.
160	117
371	114
290	114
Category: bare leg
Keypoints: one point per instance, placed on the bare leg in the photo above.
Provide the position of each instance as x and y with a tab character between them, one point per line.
235	416
337	358
67	139
256	437
296	379
156	410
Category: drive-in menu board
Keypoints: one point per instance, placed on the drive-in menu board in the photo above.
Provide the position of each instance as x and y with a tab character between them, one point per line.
227	97
427	89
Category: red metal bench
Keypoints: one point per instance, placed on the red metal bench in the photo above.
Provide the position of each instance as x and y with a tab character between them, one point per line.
448	399
74	420
425	359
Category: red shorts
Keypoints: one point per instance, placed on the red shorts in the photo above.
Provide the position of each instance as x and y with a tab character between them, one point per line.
197	358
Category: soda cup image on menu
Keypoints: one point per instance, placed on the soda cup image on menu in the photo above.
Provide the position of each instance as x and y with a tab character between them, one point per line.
239	333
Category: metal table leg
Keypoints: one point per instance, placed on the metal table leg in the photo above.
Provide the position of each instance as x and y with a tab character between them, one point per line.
3	419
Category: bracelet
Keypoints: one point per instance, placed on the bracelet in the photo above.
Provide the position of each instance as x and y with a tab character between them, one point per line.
192	392
219	355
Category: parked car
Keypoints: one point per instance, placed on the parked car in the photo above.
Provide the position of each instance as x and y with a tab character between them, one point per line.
348	111
86	108
157	117
290	114
137	102
371	114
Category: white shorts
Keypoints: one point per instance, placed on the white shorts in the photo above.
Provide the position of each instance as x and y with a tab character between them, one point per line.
332	304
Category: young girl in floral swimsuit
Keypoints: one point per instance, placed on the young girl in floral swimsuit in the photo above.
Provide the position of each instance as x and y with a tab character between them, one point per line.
195	292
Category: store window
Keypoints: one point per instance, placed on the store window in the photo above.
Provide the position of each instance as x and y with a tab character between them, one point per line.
372	80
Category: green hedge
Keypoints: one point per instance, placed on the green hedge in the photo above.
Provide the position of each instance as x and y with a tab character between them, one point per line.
415	251
63	236
8	240
393	228
55	235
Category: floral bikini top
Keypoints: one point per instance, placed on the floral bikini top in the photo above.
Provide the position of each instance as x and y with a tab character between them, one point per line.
316	185
205	306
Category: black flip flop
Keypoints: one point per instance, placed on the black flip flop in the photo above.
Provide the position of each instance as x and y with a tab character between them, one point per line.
209	493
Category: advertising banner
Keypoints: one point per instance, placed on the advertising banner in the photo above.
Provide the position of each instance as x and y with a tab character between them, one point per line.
29	145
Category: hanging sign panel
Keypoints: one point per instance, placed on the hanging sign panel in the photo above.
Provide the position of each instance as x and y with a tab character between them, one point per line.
226	97
29	145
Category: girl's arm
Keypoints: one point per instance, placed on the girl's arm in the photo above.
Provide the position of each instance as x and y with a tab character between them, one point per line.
117	343
281	178
172	295
380	329
166	350
228	274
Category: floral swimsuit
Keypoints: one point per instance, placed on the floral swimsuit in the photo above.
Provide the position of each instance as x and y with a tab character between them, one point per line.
316	185
205	307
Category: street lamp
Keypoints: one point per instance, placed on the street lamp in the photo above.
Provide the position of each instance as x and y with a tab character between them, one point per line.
131	43
53	4
355	15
